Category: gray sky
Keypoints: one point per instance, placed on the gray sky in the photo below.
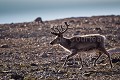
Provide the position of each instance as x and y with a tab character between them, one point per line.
28	10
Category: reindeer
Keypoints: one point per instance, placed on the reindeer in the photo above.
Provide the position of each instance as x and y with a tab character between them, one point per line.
80	43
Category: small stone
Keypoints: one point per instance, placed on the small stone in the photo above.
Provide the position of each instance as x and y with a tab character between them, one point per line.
87	74
17	77
61	72
5	46
33	64
115	60
38	19
44	55
50	53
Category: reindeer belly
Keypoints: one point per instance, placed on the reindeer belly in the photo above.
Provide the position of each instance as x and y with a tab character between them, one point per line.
86	47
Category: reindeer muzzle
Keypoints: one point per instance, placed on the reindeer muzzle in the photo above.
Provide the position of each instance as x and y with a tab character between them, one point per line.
51	43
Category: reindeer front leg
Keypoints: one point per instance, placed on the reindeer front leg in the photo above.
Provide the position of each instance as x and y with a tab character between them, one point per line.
80	59
73	52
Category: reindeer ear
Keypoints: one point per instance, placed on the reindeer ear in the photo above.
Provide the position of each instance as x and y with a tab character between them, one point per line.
54	33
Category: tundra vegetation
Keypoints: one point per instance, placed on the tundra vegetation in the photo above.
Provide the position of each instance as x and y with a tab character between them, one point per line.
26	53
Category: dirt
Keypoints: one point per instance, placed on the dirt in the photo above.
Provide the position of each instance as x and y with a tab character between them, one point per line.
25	52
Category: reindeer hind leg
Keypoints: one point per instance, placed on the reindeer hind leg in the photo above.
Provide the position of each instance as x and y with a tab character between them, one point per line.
109	56
100	54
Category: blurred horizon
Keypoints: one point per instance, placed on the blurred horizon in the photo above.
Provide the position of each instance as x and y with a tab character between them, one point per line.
15	11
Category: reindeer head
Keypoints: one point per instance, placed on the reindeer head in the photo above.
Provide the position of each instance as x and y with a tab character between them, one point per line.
58	31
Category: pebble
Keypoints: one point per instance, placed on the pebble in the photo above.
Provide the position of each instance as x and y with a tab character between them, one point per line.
4	46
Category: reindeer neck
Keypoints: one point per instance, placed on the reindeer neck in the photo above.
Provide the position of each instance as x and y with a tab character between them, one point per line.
66	43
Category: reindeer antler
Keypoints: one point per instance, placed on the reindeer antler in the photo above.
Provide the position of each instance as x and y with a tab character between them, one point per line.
59	30
66	28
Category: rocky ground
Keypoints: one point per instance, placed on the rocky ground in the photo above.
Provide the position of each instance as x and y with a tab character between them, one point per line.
25	52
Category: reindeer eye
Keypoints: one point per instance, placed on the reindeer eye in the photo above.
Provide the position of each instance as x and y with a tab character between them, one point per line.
58	38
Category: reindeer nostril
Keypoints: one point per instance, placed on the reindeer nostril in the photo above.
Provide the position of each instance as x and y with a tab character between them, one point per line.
51	43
